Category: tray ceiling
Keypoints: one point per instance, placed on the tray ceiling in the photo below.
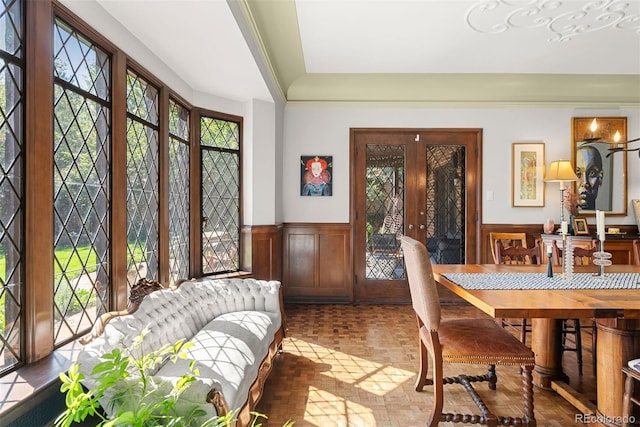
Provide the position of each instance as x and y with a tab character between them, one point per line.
451	51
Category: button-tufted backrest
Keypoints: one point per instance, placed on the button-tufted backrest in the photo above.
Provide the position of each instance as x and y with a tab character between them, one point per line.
171	315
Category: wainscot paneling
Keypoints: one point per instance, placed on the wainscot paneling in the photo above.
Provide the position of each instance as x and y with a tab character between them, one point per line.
317	262
263	251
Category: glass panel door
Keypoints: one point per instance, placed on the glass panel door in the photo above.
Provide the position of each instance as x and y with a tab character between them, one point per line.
422	185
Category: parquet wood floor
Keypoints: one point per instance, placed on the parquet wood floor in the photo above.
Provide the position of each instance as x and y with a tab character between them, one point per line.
355	365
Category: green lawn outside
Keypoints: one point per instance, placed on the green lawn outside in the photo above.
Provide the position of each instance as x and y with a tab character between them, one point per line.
71	261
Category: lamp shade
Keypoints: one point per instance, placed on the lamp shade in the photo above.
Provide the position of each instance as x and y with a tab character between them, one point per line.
560	171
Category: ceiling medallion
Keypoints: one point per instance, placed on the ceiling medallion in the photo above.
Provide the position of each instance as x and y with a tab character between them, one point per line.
561	18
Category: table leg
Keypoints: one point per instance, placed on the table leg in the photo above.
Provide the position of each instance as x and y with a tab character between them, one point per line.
618	342
547	348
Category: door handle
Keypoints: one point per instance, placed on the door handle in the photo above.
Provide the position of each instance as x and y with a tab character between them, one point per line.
422	226
410	226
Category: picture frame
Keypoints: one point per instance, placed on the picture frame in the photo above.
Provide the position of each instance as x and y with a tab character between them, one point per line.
636	210
580	226
602	187
527	174
316	175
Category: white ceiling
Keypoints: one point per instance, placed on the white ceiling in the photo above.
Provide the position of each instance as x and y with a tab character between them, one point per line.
306	42
470	36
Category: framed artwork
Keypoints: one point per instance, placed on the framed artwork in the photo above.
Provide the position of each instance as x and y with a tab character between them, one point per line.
527	174
580	226
602	183
316	175
636	211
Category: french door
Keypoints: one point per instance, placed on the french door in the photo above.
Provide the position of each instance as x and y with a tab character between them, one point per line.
423	183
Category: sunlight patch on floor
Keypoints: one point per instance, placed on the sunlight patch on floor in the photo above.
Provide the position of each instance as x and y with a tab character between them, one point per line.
371	377
328	409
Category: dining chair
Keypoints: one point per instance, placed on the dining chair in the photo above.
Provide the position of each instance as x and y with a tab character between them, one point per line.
507	239
583	251
636	251
515	251
631	374
461	341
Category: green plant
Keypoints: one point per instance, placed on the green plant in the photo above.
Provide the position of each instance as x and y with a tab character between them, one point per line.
123	378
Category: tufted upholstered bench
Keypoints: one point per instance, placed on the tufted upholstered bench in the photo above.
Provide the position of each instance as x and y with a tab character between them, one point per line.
236	326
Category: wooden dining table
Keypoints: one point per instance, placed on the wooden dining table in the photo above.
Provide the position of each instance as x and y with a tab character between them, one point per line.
617	314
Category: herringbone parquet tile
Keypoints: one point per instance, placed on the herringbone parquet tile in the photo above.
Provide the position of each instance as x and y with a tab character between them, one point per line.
355	365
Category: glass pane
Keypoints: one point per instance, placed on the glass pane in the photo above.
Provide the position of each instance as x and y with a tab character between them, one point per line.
220	197
385	211
445	203
219	133
80	62
81	185
178	193
11	27
11	187
143	174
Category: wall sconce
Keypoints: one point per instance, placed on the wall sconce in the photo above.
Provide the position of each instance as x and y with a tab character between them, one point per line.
561	171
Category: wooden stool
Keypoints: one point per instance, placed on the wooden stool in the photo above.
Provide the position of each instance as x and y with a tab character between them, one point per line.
631	375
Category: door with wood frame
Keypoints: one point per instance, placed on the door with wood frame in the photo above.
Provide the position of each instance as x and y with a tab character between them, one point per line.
423	183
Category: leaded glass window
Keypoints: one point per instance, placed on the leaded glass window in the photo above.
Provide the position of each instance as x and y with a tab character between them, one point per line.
178	192
11	184
220	186
81	151
143	175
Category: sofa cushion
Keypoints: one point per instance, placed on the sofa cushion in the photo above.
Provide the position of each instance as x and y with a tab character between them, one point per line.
228	352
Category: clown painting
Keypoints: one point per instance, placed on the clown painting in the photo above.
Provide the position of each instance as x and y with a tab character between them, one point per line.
315	172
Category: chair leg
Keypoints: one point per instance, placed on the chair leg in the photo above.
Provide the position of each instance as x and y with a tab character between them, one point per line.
594	342
438	394
523	331
578	344
527	387
422	379
572	326
492	377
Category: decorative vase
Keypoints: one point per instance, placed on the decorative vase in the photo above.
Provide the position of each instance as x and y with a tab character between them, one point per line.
548	226
570	224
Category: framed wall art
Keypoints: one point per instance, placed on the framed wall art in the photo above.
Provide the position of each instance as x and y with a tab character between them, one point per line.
602	175
316	175
527	174
580	226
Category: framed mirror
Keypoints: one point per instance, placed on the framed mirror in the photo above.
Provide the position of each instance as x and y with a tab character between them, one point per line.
603	174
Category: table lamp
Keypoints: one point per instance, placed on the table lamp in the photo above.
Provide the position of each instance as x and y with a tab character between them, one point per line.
561	171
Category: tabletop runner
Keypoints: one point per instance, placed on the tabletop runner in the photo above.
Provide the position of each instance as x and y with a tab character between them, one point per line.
531	281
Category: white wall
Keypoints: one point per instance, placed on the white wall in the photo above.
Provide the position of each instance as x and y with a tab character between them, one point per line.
259	158
324	130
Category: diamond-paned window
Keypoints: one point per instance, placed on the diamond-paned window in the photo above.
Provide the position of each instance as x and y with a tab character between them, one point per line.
178	192
220	187
11	185
82	139
445	220
143	174
385	211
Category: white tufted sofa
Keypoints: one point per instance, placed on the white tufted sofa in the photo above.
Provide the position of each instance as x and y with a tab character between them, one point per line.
236	325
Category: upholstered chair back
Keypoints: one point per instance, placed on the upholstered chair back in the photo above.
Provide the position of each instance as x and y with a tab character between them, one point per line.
424	295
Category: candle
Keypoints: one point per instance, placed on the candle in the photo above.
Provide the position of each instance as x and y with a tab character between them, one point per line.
616	137
600	224
564	227
549	249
